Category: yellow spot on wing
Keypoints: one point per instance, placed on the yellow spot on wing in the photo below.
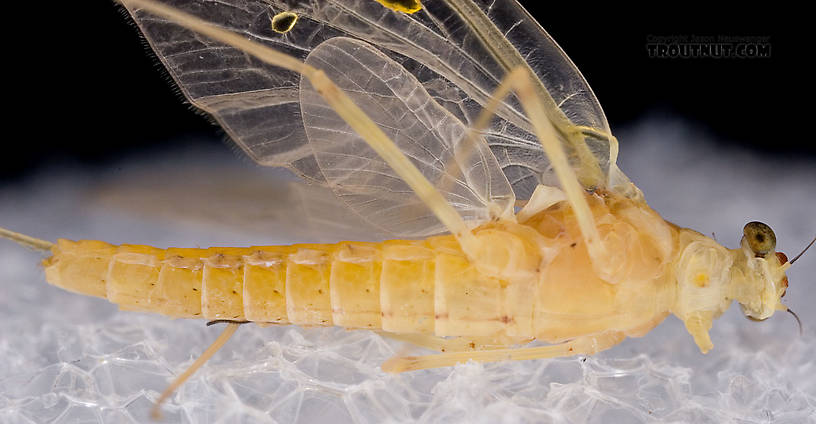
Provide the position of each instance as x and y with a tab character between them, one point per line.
407	6
283	22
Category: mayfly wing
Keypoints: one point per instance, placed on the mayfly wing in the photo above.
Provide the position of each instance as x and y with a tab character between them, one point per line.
238	199
468	176
457	50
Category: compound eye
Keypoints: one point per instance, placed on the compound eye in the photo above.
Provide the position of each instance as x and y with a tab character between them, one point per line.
760	237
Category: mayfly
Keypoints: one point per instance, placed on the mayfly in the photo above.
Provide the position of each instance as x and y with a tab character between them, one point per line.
424	118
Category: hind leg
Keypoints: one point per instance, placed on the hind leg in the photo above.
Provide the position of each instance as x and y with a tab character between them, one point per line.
457	344
581	346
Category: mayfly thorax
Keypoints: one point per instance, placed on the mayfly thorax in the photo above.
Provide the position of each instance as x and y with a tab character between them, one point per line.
544	236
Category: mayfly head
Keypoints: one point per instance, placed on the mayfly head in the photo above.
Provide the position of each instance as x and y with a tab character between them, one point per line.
759	280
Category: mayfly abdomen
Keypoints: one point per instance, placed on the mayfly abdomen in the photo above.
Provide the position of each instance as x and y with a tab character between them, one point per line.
431	288
400	286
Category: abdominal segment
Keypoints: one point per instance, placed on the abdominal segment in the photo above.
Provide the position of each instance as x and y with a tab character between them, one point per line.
401	286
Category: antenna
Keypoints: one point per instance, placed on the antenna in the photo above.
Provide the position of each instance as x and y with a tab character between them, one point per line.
803	251
798	321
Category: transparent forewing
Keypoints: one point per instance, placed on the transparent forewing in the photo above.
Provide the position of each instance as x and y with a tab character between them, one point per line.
457	50
463	170
235	200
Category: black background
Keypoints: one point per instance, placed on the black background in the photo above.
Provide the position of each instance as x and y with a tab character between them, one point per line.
82	87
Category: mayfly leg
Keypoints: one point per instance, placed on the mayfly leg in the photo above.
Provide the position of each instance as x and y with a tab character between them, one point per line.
457	344
586	345
520	82
222	339
358	120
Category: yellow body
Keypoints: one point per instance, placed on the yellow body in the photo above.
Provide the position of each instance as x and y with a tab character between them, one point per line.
535	279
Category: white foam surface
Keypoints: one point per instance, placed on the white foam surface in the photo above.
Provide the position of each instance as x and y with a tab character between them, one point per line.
71	359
